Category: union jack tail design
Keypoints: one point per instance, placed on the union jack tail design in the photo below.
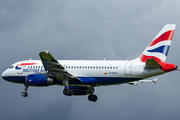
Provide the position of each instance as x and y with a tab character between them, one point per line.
159	47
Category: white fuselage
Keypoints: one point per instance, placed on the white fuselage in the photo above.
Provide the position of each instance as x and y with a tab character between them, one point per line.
107	72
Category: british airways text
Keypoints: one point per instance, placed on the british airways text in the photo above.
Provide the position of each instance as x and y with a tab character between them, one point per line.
33	70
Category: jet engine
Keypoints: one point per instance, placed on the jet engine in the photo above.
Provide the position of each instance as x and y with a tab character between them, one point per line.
40	80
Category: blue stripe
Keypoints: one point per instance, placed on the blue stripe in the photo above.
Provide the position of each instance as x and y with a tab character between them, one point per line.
85	80
167	50
103	81
162	49
15	79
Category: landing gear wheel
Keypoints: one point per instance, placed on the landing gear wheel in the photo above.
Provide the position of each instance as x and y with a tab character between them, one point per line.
68	92
24	94
92	97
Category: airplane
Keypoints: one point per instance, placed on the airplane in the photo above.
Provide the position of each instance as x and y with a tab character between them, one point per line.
79	77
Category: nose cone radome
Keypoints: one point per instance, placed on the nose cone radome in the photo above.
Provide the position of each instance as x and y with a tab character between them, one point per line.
4	75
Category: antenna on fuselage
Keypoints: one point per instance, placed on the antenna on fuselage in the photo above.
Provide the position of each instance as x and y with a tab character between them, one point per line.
30	59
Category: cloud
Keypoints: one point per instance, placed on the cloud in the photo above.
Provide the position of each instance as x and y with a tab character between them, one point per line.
87	30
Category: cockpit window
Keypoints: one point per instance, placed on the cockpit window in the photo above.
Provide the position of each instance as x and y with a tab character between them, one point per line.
11	67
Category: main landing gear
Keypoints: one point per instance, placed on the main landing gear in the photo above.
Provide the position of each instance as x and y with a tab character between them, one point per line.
67	91
92	98
25	94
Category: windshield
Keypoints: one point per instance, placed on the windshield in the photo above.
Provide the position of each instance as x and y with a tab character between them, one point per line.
11	67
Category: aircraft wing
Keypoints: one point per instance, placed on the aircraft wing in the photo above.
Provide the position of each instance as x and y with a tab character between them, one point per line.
51	65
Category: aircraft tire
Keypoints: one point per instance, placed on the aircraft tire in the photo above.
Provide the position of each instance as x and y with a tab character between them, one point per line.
24	94
68	92
92	98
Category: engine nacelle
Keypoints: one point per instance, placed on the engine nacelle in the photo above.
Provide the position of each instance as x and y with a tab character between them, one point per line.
39	80
81	90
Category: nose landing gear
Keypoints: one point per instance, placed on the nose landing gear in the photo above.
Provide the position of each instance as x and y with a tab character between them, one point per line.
25	94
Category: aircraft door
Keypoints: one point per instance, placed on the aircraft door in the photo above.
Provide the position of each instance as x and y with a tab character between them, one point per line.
128	68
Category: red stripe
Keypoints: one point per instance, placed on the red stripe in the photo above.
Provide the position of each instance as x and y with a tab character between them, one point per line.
144	57
165	36
26	64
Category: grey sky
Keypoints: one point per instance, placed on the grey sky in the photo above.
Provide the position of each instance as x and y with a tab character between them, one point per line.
116	30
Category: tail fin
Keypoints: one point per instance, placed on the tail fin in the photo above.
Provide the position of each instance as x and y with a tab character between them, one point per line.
159	47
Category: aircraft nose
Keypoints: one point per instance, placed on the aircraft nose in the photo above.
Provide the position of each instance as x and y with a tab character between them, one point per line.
4	74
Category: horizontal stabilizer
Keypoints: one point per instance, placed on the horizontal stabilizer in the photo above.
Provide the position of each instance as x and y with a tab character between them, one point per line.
152	64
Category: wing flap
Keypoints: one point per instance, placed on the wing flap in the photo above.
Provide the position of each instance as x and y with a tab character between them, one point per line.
54	63
57	69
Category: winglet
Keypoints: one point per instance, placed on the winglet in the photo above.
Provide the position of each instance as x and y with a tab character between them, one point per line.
47	51
152	64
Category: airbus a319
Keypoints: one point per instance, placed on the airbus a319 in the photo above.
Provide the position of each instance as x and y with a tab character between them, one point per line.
80	77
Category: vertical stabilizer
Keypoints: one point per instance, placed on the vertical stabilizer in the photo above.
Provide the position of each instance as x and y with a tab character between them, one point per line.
159	47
